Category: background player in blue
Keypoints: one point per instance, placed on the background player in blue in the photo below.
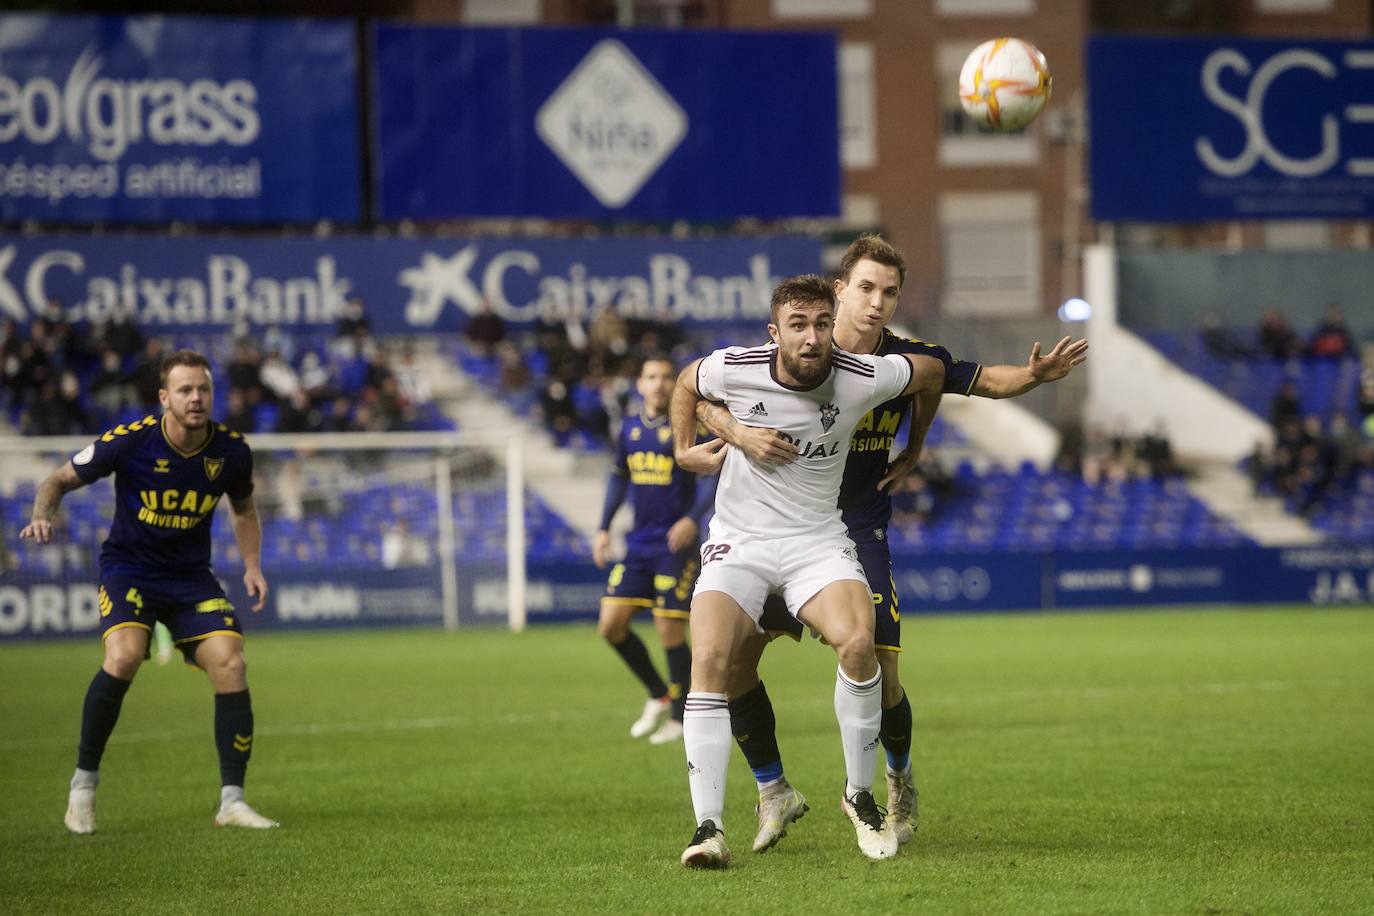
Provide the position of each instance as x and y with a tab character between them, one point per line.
170	473
871	275
660	565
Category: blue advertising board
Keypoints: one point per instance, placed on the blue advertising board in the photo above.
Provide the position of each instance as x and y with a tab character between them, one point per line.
595	124
306	596
1186	129
158	118
405	284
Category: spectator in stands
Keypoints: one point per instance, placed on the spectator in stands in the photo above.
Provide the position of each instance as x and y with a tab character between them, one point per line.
279	379
1277	337
354	319
401	547
338	417
1220	341
485	330
1285	404
609	338
110	389
314	378
57	410
123	335
295	415
1364	402
147	375
239	416
557	404
275	337
1332	338
514	373
245	371
414	381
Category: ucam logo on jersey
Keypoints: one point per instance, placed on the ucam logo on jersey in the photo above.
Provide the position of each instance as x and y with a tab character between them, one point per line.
405	284
611	123
1231	128
152	118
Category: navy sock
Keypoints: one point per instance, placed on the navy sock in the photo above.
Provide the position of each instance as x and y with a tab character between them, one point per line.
233	735
679	676
895	733
104	698
637	657
756	732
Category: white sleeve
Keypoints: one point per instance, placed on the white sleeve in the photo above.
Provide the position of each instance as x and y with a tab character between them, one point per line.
711	376
893	375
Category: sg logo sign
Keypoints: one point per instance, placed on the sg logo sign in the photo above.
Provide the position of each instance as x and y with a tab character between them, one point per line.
1249	111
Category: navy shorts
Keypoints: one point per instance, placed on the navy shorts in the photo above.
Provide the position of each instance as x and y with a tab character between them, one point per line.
193	607
660	580
877	563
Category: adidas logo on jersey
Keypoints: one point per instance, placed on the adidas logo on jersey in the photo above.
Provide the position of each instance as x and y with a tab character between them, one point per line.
758	410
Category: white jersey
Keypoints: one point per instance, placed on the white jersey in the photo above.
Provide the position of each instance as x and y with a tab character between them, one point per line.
801	497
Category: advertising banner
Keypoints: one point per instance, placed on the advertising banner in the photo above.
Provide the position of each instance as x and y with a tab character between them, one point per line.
595	124
159	118
405	284
303	596
1228	128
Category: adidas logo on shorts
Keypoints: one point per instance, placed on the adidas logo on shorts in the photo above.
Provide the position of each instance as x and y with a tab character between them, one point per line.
758	410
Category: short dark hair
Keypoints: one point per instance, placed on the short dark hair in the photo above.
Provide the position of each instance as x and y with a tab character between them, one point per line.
875	248
799	290
181	358
657	357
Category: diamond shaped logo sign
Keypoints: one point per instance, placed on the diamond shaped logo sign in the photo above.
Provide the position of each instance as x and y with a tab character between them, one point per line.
611	123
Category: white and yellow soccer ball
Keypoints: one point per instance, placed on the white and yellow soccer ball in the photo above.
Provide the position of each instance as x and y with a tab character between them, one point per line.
1004	83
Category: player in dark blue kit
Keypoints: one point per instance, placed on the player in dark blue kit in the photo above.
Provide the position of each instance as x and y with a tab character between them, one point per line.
660	564
871	276
170	474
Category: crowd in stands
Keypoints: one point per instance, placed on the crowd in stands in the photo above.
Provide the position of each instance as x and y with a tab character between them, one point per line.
59	378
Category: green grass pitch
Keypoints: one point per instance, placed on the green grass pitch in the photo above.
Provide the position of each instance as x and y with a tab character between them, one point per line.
1203	762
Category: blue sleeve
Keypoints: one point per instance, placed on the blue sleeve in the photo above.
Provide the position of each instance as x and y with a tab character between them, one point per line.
103	456
705	501
616	488
960	376
242	487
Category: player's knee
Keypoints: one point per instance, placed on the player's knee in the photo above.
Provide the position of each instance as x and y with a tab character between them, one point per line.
710	663
123	661
855	649
613	630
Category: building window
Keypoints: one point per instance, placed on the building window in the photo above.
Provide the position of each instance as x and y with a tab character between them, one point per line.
991	248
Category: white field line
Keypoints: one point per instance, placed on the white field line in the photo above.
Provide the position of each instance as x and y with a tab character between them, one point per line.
441	723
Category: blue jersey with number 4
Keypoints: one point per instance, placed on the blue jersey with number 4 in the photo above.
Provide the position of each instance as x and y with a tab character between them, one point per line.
164	498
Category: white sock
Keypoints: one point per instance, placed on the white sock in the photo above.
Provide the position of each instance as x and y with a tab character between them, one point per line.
859	710
229	794
85	779
707	738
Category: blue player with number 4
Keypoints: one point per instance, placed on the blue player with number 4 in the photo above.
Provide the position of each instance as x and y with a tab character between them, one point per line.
170	474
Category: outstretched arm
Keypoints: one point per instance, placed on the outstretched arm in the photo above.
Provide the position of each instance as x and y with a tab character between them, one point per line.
248	534
50	492
707	457
764	445
1014	381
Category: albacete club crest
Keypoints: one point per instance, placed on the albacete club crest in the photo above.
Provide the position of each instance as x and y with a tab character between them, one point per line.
828	414
213	466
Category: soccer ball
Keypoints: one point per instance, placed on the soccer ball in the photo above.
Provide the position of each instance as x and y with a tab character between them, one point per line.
1004	83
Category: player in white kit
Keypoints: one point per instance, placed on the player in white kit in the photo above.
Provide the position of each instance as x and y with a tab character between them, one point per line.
777	529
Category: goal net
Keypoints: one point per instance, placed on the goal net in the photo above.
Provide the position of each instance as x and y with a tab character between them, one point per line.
359	529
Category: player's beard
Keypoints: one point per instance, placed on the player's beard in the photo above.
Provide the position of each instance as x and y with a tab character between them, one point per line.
193	421
807	373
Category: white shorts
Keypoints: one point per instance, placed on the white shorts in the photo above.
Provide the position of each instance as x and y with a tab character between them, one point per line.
749	569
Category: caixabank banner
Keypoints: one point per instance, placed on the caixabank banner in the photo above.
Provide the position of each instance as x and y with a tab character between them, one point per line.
405	284
1187	129
599	124
160	118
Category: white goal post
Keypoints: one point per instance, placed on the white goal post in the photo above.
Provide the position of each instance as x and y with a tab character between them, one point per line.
474	478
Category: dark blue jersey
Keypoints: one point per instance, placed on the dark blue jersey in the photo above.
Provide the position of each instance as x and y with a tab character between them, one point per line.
164	498
659	491
862	504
